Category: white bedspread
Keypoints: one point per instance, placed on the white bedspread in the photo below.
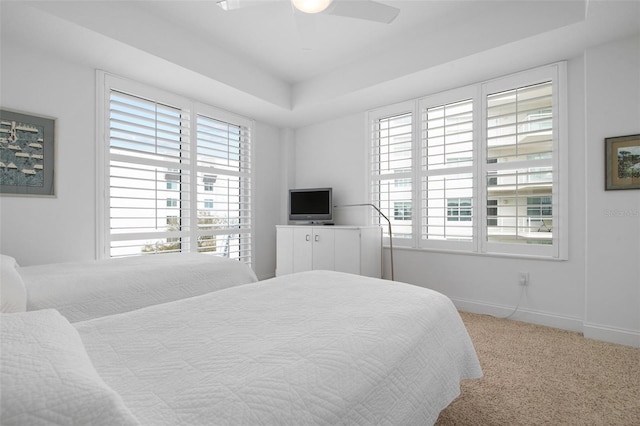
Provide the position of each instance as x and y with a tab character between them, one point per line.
86	290
312	348
46	376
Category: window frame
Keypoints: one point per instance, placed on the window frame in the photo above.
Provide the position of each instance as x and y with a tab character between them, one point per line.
444	98
558	250
557	74
105	84
406	176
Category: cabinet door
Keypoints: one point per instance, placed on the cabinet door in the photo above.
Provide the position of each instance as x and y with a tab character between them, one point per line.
284	251
371	252
302	249
347	252
323	248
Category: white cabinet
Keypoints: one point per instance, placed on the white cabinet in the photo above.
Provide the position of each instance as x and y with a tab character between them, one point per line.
352	249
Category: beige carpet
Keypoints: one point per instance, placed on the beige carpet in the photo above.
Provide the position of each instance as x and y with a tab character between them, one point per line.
536	375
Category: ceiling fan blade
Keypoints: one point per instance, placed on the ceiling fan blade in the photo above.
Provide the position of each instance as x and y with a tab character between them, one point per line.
239	4
368	10
228	4
364	9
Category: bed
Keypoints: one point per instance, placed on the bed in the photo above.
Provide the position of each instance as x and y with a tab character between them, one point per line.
312	348
91	289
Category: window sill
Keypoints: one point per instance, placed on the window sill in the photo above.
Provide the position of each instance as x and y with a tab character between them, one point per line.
469	253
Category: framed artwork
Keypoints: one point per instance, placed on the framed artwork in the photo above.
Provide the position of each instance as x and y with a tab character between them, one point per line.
622	162
26	154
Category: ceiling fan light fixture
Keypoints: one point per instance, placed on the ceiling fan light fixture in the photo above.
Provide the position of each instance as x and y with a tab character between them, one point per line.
228	4
311	6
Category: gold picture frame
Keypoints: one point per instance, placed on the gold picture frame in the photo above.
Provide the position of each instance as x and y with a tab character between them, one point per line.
622	162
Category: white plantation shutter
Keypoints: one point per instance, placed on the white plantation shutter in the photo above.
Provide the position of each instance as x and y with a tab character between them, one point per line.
448	212
391	159
521	164
224	187
148	175
177	175
478	169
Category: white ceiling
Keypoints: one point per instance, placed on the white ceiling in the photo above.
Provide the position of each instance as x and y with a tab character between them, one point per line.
295	47
292	70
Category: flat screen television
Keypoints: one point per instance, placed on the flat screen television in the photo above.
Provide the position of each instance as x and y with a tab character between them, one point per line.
313	205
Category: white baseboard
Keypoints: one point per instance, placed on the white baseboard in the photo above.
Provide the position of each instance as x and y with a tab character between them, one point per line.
590	331
526	315
612	335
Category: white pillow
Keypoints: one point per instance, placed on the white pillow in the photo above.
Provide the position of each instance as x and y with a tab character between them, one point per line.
13	295
48	378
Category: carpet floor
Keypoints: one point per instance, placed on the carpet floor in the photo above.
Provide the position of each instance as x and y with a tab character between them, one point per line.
535	375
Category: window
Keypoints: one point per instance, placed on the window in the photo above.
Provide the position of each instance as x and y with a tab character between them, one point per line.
402	182
539	214
538	207
492	212
486	160
520	164
401	210
391	175
177	175
172	177
208	182
447	168
459	210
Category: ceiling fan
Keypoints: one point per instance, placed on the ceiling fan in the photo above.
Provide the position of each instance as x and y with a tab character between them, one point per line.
360	9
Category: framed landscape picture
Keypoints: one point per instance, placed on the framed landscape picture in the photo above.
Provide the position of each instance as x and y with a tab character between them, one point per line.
26	154
622	167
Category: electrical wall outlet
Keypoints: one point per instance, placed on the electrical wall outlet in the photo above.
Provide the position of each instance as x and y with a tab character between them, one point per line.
523	278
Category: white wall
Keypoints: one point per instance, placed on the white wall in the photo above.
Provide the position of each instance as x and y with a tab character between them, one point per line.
613	217
331	153
43	230
267	189
63	228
